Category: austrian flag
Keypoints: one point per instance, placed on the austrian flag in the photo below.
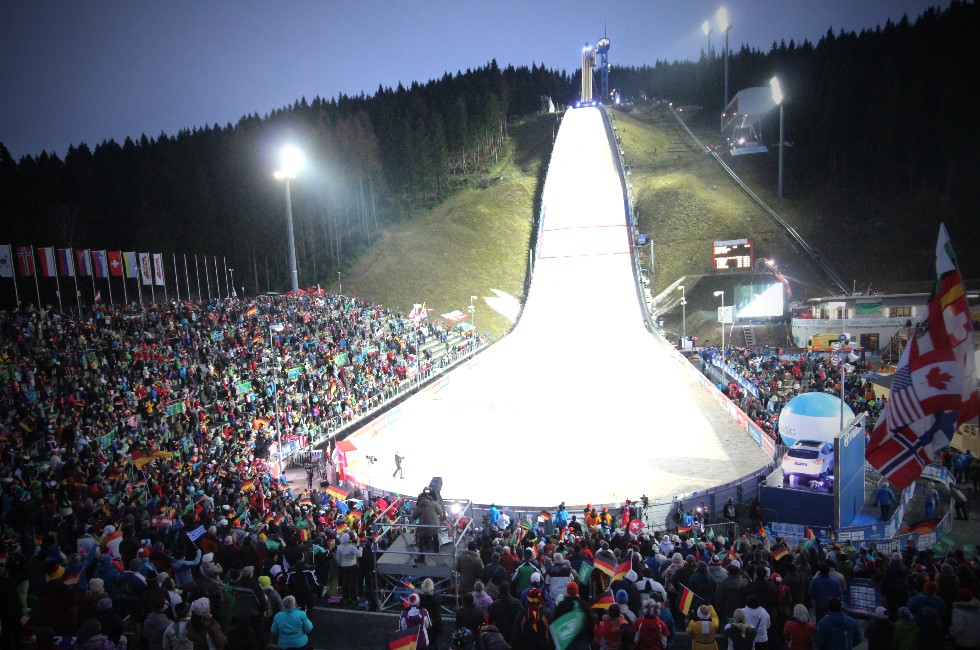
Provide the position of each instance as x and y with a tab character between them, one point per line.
935	387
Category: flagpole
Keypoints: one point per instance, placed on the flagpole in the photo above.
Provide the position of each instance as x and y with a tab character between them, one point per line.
108	274
139	277
176	278
187	279
197	272
224	262
57	283
207	276
217	283
74	276
13	274
37	285
153	280
165	298
91	264
123	276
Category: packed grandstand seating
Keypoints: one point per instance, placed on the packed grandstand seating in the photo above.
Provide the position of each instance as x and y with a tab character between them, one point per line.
136	480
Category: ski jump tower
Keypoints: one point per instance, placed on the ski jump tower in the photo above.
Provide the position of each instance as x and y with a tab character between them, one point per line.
588	62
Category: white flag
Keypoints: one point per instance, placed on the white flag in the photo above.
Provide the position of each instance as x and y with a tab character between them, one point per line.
158	268
146	273
6	262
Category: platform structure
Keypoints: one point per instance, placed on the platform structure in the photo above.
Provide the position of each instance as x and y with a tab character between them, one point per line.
401	567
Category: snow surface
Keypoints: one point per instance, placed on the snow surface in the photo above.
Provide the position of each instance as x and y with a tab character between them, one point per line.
579	403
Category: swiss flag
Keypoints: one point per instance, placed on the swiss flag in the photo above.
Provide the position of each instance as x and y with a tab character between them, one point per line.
115	263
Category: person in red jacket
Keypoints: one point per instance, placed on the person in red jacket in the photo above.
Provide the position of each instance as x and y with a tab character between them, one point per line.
649	631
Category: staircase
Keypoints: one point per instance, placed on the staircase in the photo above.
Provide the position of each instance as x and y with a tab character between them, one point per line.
749	335
893	349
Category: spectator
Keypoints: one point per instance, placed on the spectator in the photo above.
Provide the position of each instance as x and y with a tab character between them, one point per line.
531	629
416	616
756	616
823	589
965	626
505	611
880	632
431	602
740	635
203	631
703	629
836	630
799	631
291	626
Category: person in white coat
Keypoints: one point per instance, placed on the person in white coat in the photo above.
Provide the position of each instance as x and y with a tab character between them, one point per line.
964	626
758	617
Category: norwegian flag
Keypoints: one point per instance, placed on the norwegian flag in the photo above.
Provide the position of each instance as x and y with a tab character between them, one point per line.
935	387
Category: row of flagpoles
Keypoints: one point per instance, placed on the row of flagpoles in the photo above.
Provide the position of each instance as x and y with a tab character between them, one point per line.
146	268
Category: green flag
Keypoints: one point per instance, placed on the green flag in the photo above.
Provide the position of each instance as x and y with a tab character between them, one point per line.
564	628
584	571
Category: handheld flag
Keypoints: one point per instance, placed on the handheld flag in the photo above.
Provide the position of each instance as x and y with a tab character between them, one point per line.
404	639
780	553
935	387
684	603
565	628
623	569
336	492
601	565
605	600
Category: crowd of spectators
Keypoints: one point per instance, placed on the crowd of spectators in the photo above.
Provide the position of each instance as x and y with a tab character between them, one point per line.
137	472
777	378
751	592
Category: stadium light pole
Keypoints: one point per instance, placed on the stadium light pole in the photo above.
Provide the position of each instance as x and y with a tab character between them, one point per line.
683	315
721	319
234	294
706	28
292	160
276	327
340	284
724	26
777	96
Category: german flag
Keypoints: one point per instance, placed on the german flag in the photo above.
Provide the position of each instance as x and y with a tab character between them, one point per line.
684	602
404	639
809	535
248	486
683	529
336	492
762	531
258	423
71	579
605	567
545	515
732	553
623	569
604	601
252	311
258	340
780	553
304	534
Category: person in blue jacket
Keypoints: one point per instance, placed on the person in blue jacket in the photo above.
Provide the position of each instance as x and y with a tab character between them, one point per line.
291	626
836	630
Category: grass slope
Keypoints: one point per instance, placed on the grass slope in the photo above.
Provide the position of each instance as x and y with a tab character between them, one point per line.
472	243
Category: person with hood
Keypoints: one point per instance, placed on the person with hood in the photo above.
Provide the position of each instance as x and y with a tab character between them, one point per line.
176	632
824	588
703	629
730	594
469	615
622	599
155	625
650	589
469	566
414	615
106	571
428	513
560	575
347	555
491	638
798	631
291	626
702	584
717	571
906	631
964	627
880	632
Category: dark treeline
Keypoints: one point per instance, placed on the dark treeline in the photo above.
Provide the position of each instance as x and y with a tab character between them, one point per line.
888	111
370	161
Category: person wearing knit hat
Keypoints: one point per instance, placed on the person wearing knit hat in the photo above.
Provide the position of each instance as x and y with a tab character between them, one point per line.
53	571
413	615
703	628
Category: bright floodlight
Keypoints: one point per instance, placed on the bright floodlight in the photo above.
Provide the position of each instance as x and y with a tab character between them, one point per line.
277	327
706	28
719	293
777	90
722	17
292	160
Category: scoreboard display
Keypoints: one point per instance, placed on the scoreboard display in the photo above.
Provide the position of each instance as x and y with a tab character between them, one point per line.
732	255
